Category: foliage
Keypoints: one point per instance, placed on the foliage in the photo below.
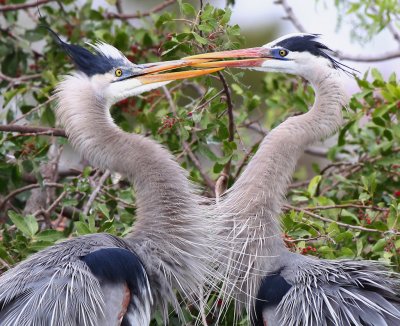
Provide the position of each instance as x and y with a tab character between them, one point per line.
349	208
370	17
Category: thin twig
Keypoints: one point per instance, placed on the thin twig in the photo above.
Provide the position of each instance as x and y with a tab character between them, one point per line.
123	202
24	5
222	181
375	208
25	188
33	130
35	109
349	226
155	9
47	213
290	15
4	263
246	158
208	181
372	58
95	192
17	80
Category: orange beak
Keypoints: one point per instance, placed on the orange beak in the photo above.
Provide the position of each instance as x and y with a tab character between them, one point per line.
151	72
250	57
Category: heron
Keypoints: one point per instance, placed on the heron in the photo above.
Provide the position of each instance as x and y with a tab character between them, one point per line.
102	279
274	285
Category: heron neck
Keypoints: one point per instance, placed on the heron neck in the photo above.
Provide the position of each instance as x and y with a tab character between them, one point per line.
252	206
259	192
169	233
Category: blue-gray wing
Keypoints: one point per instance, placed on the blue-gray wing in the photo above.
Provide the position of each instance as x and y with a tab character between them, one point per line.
58	287
342	293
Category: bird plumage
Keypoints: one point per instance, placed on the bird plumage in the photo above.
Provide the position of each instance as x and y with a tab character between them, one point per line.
74	283
338	292
56	286
321	292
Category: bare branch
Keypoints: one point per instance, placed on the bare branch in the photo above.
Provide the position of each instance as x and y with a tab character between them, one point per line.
373	58
155	9
290	15
222	181
343	56
374	208
349	226
24	5
35	109
209	182
25	188
31	130
17	80
93	195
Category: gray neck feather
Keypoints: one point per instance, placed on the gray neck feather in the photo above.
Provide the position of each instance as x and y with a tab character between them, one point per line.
252	206
171	231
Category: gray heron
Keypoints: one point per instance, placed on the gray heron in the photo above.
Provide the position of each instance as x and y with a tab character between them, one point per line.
102	279
276	286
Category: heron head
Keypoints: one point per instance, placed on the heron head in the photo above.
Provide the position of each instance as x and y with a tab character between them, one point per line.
114	77
300	54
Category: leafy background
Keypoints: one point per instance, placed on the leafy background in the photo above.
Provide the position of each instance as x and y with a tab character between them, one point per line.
346	205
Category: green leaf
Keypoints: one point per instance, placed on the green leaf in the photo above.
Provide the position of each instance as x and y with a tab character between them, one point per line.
376	74
379	245
20	223
82	228
199	39
49	236
207	152
188	9
32	224
313	185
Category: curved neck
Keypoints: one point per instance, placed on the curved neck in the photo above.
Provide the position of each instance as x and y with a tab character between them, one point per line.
259	192
159	181
255	201
170	232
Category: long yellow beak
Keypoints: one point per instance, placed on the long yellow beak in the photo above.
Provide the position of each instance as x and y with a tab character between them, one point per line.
151	73
250	57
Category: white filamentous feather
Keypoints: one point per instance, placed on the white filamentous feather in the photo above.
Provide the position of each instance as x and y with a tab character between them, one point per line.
250	211
173	235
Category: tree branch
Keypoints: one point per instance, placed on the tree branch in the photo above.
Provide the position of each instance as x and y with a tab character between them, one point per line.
93	195
290	15
209	182
31	130
373	58
25	188
222	181
155	9
17	80
349	226
35	109
24	5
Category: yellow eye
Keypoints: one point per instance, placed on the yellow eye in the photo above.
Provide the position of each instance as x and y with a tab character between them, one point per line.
118	72
283	53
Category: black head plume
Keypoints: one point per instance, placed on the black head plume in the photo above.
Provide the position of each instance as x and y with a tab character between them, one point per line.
84	60
308	43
